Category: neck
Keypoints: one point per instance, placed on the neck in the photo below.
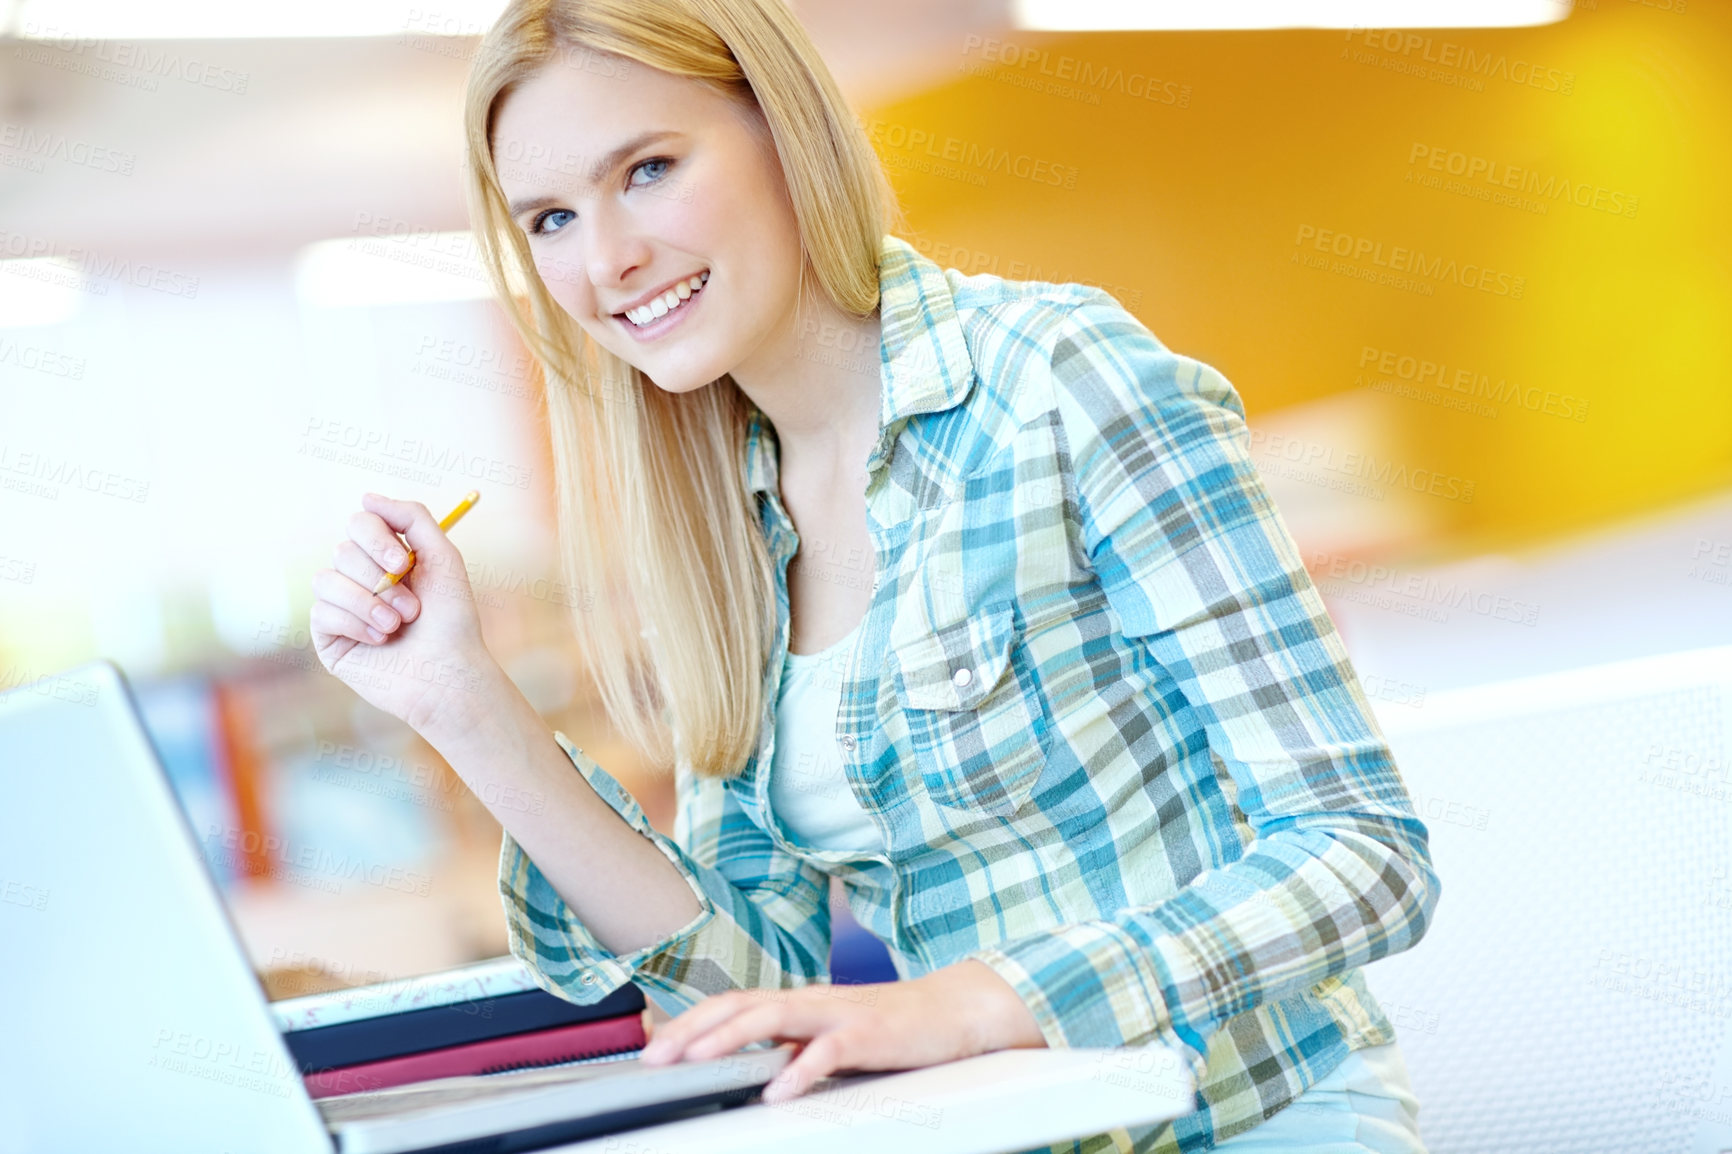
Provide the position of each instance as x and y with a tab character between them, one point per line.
821	387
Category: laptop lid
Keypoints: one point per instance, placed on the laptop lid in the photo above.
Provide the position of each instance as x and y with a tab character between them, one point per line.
132	1019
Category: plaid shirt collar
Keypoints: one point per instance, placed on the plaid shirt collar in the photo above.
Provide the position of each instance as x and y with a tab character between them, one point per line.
924	356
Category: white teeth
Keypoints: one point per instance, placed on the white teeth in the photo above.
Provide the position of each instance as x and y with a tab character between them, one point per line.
668	301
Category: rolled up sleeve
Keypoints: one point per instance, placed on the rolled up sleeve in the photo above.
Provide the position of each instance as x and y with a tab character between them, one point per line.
763	915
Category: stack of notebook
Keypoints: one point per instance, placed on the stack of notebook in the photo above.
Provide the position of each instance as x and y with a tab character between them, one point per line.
479	1019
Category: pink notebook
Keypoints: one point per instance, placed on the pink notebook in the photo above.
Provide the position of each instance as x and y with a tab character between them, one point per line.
537	1048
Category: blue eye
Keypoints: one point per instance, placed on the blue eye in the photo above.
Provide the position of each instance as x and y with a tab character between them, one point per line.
664	161
535	228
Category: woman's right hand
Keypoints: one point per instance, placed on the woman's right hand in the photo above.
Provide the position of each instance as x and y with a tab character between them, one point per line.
414	651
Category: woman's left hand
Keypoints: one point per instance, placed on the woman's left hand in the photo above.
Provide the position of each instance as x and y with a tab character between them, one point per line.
956	1012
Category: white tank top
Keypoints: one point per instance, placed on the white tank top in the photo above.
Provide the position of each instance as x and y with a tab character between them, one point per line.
808	791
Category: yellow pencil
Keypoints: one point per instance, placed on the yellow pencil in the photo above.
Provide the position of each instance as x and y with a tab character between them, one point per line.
451	519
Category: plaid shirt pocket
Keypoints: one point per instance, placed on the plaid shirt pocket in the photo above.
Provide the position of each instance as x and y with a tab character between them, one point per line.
975	723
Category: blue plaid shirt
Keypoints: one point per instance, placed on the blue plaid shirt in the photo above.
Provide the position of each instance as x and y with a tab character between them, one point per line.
1097	710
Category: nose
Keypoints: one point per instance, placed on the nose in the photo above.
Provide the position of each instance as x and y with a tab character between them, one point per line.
613	249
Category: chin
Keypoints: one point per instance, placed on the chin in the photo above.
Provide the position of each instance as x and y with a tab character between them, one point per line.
679	382
683	370
671	378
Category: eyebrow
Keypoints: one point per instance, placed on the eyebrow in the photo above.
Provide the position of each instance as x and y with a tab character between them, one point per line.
609	163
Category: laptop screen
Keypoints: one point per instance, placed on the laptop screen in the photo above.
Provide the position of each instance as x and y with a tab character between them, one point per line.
126	986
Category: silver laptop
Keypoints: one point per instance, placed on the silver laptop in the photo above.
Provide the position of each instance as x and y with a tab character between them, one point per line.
133	1021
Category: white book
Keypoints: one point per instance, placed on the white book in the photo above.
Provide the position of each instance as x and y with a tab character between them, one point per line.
492	978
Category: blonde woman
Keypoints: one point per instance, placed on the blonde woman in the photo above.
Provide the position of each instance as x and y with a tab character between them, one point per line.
1094	763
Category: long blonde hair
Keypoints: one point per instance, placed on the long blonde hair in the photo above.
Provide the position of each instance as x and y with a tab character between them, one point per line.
654	516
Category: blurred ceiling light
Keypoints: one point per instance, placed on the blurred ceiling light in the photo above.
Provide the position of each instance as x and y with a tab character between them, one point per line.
1193	15
225	19
40	290
408	268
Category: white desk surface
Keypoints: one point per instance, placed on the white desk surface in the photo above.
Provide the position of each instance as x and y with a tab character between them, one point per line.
1011	1100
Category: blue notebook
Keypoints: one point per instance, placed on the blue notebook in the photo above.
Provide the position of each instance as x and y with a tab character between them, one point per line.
454	1008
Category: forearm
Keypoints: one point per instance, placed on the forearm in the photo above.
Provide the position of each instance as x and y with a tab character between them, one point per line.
617	882
993	1014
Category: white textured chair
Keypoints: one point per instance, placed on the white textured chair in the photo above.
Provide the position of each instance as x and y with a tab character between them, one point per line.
1575	990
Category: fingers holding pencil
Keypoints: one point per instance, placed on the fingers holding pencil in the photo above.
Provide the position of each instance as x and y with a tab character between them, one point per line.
384	536
356	614
396	566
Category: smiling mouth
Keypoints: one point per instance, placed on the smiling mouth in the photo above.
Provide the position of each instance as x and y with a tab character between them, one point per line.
672	300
